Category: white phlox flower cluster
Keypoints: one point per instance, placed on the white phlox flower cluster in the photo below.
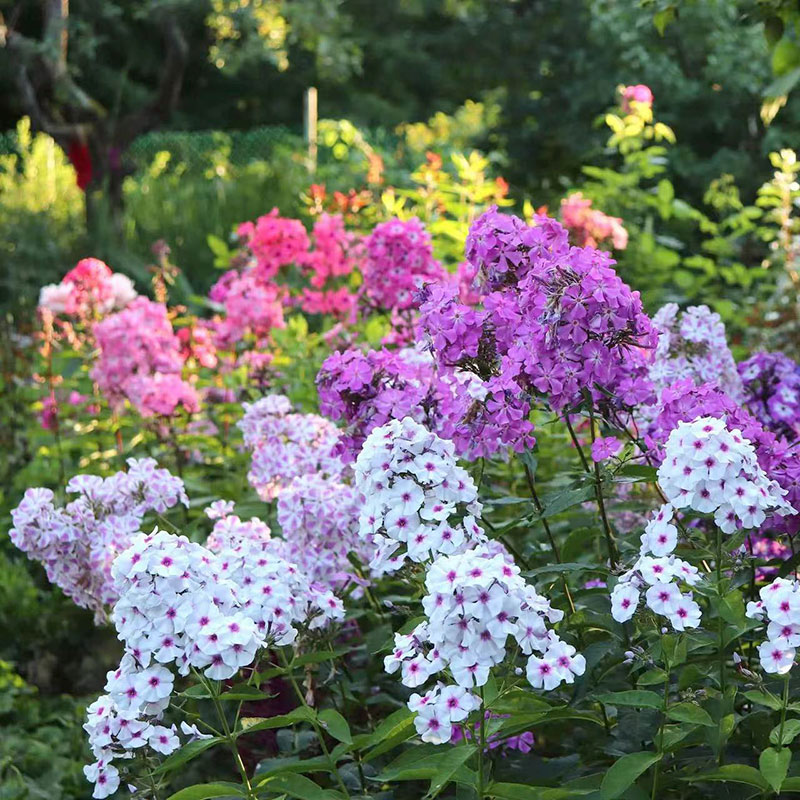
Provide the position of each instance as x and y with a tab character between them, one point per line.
476	600
182	604
78	543
286	444
713	470
659	574
418	503
779	606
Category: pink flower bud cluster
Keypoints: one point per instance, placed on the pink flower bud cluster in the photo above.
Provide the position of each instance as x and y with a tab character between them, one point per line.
78	543
89	288
140	361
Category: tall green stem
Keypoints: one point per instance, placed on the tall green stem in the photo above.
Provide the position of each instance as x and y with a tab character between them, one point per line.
665	709
315	724
481	748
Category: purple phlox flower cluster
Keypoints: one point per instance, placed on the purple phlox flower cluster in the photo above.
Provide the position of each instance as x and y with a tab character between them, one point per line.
140	360
181	604
772	392
523	742
476	600
398	261
767	548
319	524
605	447
286	444
78	543
417	502
366	390
685	402
482	411
779	606
693	345
556	322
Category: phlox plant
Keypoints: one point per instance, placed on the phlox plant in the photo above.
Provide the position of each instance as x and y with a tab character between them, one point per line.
528	541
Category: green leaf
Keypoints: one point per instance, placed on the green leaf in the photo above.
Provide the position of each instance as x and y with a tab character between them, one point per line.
395	729
791	728
688	712
733	773
203	791
521	791
652	677
564	500
638	698
624	772
424	762
251	724
301	787
189	751
451	762
336	725
763	699
774	764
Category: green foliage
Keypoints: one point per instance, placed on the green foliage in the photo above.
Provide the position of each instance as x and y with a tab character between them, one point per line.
41	214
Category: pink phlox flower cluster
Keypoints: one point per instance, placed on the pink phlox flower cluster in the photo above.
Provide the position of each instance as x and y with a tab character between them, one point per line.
659	574
140	360
197	343
476	600
275	242
779	606
417	502
339	303
230	531
253	305
337	252
712	469
398	261
589	226
286	444
693	346
772	392
319	524
77	544
89	287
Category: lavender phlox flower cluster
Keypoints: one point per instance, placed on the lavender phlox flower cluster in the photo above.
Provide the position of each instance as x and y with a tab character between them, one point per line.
693	345
398	261
418	503
779	607
78	543
319	525
660	575
286	444
772	391
714	470
476	600
522	742
181	604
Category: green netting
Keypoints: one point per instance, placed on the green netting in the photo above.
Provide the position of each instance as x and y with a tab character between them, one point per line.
196	148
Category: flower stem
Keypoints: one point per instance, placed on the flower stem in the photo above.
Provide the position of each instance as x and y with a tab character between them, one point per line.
481	747
314	723
657	767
